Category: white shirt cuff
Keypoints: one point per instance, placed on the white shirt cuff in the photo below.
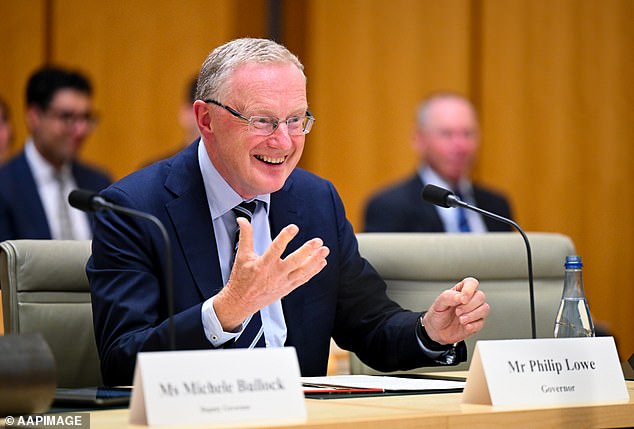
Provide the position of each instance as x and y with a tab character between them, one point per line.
212	327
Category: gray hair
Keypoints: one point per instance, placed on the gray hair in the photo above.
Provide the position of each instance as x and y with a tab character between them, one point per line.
222	62
422	112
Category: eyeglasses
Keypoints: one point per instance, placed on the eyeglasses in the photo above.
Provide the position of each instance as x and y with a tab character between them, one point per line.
266	125
69	118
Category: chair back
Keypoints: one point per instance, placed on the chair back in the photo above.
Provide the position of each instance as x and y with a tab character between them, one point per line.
45	290
418	266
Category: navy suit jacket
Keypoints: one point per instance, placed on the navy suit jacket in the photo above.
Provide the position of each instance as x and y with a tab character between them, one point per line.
400	208
21	211
346	300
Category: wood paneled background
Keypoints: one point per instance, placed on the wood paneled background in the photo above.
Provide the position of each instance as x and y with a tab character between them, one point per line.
551	79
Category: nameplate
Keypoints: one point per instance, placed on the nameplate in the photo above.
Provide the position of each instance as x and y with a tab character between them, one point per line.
531	373
217	387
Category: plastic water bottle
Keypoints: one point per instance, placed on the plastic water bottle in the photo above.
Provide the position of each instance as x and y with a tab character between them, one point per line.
573	318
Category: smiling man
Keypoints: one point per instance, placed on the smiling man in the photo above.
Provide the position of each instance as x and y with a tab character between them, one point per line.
296	278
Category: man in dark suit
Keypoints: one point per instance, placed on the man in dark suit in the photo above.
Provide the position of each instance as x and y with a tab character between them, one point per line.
34	184
446	141
297	278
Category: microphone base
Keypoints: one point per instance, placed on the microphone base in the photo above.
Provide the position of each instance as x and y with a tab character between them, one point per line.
28	374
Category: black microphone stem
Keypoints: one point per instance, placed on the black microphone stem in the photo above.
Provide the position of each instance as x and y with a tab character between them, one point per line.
528	254
167	267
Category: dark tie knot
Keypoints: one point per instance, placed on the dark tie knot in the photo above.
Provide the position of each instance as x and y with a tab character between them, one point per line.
245	209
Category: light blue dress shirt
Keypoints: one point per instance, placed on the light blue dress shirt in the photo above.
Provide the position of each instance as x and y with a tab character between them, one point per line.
449	216
221	199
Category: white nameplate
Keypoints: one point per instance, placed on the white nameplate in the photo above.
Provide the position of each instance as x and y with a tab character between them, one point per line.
215	387
530	373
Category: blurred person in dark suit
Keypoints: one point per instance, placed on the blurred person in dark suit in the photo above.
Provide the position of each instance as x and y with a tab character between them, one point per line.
446	141
34	185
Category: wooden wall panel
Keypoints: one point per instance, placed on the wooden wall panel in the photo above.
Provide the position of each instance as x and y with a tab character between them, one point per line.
140	54
370	63
551	79
22	46
558	110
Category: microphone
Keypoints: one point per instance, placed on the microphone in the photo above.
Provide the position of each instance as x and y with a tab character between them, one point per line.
89	201
445	198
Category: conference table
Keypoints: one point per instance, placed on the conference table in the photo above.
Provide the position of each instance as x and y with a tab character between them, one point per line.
444	410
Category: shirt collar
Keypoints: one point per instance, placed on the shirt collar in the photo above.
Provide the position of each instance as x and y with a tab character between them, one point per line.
428	175
220	195
42	170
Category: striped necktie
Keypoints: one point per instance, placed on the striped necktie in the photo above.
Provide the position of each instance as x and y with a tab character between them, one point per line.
244	209
253	333
63	213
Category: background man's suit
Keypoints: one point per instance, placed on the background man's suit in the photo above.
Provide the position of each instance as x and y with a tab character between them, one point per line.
21	211
346	300
401	208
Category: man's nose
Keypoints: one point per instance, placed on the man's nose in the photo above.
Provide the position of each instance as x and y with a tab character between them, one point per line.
281	136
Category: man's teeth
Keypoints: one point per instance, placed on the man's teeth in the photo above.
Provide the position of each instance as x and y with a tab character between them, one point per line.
270	160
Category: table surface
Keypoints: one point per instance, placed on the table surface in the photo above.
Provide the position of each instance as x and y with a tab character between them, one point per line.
429	411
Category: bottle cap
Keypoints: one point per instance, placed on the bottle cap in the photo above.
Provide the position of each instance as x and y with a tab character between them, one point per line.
573	262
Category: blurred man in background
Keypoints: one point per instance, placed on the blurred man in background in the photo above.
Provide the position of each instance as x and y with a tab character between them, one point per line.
446	141
186	120
186	117
34	185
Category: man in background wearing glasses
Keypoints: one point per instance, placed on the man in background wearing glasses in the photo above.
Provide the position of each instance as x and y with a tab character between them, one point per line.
296	278
34	184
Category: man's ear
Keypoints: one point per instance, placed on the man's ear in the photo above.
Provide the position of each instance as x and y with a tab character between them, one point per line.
33	117
203	118
418	142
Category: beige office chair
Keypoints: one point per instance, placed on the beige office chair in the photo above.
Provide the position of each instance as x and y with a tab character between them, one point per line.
417	267
45	289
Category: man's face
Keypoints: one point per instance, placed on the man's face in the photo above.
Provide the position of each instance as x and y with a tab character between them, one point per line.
254	164
449	141
59	131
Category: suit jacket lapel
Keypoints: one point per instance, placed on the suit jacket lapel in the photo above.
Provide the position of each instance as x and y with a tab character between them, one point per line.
83	182
191	219
286	208
427	210
31	203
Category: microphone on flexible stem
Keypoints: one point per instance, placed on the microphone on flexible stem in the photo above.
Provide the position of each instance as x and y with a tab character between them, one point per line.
89	201
445	198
